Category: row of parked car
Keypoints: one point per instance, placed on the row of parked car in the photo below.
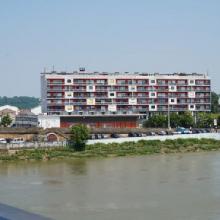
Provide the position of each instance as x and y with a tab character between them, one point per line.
182	130
179	130
11	141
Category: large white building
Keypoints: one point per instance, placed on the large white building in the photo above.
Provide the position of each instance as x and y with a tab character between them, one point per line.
111	98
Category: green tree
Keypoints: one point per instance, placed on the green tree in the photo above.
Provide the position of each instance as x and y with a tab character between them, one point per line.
174	120
215	104
218	119
22	102
79	136
156	121
186	120
6	121
204	120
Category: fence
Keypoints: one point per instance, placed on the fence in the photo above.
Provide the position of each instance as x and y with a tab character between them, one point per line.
32	145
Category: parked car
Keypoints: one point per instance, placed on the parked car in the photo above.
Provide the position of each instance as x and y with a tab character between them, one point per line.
17	141
187	131
180	130
92	137
96	136
161	133
208	130
100	136
176	132
169	132
3	141
151	133
183	130
196	131
114	135
130	134
203	130
8	140
138	134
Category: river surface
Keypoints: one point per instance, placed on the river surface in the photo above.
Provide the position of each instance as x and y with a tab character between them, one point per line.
162	187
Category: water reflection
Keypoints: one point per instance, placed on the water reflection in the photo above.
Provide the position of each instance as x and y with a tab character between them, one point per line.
78	166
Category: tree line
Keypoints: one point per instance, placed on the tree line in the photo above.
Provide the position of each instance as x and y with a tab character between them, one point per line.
22	102
185	119
215	103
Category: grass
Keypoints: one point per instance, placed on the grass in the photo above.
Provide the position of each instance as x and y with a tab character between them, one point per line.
142	147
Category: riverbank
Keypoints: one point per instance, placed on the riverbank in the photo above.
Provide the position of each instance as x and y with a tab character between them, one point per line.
141	147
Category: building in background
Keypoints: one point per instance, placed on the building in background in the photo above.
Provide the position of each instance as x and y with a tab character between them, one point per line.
12	111
26	119
121	99
49	121
37	110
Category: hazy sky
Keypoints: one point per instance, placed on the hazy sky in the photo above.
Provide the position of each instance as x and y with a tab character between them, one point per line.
106	35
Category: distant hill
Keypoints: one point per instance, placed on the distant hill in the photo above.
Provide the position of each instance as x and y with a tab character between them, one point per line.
22	102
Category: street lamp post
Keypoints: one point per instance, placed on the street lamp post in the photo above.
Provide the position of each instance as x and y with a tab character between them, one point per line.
168	113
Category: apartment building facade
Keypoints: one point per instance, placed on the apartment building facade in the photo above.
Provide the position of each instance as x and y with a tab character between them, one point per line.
113	96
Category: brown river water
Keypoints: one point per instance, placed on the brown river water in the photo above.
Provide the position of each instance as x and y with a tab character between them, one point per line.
161	187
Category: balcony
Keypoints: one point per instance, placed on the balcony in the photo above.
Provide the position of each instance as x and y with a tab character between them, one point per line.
54	89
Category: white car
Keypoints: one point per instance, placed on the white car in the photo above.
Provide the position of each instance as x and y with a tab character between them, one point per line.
3	141
17	141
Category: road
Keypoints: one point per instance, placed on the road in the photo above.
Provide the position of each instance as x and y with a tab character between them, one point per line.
215	136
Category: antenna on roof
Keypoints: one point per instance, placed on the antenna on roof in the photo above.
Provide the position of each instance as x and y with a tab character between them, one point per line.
207	72
44	69
53	68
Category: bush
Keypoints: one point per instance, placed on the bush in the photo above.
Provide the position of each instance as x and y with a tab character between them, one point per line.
156	121
79	136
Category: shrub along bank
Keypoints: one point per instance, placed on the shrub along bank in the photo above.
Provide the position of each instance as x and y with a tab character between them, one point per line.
142	147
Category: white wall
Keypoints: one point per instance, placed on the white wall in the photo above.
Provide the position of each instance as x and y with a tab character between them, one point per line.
37	110
49	121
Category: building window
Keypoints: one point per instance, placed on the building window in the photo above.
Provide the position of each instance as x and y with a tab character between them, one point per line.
172	100
68	81
191	82
152	81
112	94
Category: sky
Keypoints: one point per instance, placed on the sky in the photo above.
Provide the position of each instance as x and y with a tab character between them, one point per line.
106	35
